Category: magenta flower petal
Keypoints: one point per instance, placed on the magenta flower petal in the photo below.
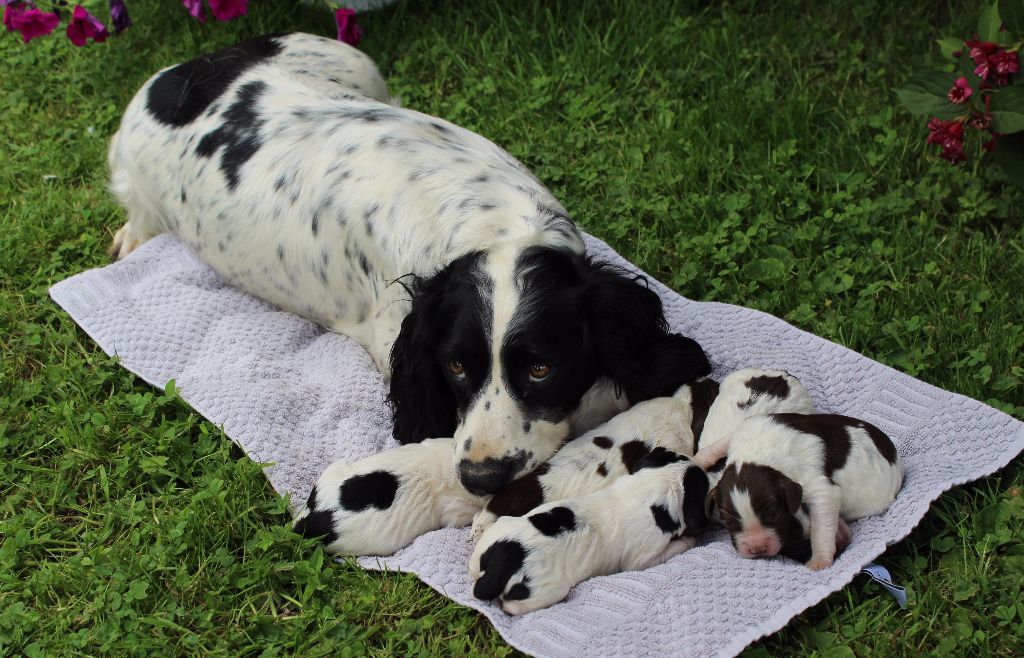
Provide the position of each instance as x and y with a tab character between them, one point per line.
85	26
31	23
225	10
960	92
195	9
348	30
119	16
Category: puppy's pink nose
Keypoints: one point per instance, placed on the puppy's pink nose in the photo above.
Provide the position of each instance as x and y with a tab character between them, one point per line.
756	549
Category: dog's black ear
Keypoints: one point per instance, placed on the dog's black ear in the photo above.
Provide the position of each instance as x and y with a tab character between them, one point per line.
793	494
422	403
634	346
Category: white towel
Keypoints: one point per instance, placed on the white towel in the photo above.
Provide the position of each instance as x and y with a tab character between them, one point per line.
293	394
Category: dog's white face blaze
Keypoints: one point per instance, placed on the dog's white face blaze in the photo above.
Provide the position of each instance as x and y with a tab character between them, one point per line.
754	540
495	426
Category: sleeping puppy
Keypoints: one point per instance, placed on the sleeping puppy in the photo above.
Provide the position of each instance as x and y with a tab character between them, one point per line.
596	459
785	472
377	505
747	393
641	520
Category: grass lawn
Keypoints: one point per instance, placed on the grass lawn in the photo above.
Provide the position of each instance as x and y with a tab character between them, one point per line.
744	156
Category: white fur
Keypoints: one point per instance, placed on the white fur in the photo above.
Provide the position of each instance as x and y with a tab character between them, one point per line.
429	497
615	531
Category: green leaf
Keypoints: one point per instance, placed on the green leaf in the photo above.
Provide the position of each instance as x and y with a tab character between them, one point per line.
1012	13
765	270
1010	156
925	94
171	389
988	23
950	45
1008	110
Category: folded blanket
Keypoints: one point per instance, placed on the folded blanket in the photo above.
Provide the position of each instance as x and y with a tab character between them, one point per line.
293	394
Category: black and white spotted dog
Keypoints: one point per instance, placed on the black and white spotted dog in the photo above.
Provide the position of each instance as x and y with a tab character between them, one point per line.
283	163
377	505
598	458
789	475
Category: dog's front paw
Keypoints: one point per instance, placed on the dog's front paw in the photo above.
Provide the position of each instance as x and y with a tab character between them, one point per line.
481	522
820	562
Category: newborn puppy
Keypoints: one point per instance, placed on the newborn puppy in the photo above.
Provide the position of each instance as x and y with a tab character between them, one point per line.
377	505
639	521
594	460
743	394
787	471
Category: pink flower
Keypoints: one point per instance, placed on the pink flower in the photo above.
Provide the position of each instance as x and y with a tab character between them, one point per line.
950	136
119	16
1005	64
960	92
85	26
225	10
31	23
348	30
195	9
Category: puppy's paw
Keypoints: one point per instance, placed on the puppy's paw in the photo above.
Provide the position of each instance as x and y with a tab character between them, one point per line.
125	242
481	522
818	563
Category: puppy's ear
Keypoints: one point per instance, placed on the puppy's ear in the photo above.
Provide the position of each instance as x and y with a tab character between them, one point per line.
422	402
711	503
794	495
634	346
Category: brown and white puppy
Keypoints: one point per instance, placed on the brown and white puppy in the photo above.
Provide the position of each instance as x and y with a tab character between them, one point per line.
377	505
641	520
597	458
785	472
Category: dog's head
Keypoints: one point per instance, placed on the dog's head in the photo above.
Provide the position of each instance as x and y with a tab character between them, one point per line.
501	346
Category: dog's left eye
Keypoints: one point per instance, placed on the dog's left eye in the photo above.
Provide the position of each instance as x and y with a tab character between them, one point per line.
539	371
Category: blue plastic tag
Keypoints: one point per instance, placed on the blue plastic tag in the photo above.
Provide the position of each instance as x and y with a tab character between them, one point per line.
880	575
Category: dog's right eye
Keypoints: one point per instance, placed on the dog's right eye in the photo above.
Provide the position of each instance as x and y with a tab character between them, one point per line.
457	369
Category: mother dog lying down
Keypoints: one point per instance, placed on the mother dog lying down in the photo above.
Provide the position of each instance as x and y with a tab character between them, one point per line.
285	165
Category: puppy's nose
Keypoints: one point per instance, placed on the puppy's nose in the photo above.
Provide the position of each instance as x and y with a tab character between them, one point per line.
486	477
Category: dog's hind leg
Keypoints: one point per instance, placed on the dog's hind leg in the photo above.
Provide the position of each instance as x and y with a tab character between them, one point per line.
143	219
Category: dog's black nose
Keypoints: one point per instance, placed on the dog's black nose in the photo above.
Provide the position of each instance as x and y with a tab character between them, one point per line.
486	477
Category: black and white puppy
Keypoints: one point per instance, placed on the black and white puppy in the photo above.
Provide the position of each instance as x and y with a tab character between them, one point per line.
785	472
378	505
285	165
641	520
601	456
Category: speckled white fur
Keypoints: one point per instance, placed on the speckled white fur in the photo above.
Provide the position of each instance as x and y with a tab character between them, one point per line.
429	496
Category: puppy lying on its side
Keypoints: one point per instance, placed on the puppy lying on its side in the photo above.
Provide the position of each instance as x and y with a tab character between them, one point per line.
377	505
776	465
594	460
639	521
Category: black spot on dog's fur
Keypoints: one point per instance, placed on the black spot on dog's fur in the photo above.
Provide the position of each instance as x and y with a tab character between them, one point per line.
518	592
180	94
602	469
664	520
238	133
526	427
695	490
317	523
831	429
554	522
603	442
632	453
376	489
521	496
498	563
702	395
882	442
657	458
774	386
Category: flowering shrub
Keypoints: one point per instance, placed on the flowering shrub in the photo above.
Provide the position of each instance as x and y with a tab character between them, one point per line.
981	100
38	18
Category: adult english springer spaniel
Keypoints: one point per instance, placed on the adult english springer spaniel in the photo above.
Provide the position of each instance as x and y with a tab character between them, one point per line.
284	163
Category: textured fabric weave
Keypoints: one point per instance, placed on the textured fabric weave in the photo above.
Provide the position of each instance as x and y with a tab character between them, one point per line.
295	395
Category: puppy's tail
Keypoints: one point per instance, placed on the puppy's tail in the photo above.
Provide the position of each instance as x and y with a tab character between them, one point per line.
499	562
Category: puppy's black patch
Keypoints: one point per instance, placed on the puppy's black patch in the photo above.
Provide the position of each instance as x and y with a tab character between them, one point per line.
663	519
772	386
695	490
602	470
238	133
702	395
831	429
518	592
657	458
499	562
521	496
318	524
554	522
180	94
882	442
376	489
632	453
602	442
